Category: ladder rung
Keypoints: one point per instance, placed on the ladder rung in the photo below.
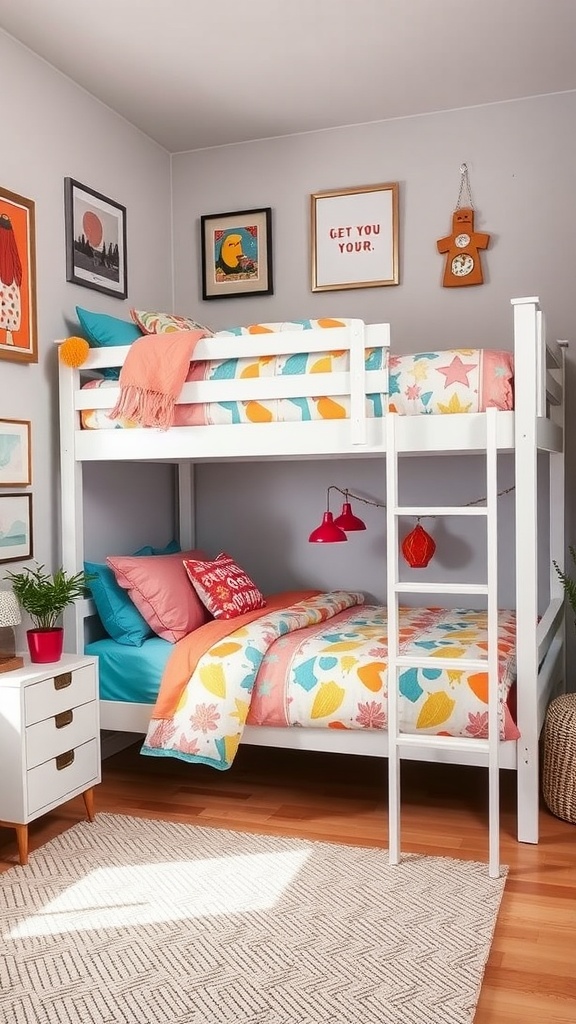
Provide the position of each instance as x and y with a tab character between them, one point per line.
466	664
441	510
406	739
441	588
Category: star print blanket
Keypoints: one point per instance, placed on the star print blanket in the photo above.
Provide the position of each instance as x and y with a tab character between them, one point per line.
321	660
457	380
448	381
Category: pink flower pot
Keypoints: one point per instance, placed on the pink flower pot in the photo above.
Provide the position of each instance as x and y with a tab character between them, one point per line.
45	645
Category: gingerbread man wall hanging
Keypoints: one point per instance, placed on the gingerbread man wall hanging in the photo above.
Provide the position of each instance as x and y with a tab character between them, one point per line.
462	248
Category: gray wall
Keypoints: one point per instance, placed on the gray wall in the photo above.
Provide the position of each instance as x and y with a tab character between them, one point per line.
522	162
52	129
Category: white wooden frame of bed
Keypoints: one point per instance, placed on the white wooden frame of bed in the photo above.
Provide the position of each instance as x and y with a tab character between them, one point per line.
536	425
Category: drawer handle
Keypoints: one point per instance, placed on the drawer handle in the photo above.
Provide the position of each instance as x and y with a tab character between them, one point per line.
64	760
64	718
62	681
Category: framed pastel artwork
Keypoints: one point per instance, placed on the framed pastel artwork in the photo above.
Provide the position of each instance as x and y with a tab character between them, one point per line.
18	316
15	453
236	254
15	527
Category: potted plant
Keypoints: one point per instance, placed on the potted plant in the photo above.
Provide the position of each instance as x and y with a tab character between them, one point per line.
45	596
567	582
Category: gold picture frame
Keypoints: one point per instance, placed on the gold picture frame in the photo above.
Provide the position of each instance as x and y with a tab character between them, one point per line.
354	235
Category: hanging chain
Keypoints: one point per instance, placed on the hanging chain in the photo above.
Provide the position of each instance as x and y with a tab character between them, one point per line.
379	504
464	187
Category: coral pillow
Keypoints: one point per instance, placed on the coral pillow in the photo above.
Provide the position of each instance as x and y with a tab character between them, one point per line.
158	586
119	616
225	589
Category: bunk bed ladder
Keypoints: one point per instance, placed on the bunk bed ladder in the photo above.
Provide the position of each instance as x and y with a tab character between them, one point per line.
487	749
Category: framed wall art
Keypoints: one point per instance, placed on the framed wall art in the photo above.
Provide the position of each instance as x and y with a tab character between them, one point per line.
354	234
236	254
95	240
15	527
15	453
18	320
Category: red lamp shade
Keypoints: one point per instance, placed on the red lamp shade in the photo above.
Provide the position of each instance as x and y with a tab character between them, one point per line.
327	532
347	521
418	547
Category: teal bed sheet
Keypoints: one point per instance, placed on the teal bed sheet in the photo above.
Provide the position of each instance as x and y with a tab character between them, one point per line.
130	674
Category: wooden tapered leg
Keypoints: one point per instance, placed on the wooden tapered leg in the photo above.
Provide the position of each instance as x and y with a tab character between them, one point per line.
89	803
21	839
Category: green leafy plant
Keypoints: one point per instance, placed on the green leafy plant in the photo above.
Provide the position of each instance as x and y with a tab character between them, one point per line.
45	595
567	582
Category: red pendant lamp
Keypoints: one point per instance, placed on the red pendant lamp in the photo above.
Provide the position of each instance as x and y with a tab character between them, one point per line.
347	521
418	547
327	532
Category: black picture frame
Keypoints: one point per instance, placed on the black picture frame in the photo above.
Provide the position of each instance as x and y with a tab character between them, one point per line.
95	240
247	267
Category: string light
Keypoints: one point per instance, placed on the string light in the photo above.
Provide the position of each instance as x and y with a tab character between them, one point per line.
380	504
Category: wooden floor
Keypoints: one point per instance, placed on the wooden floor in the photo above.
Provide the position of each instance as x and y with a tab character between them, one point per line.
531	974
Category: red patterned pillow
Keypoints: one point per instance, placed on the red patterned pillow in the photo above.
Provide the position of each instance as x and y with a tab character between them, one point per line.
223	587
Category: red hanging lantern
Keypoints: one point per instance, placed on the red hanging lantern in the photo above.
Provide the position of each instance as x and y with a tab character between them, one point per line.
418	547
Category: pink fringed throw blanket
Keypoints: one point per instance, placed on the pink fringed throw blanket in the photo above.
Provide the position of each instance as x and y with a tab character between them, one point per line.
153	376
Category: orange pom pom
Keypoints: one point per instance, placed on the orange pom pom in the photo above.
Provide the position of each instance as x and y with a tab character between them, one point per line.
74	351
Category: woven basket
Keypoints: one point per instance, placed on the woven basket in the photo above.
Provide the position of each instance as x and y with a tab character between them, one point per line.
559	773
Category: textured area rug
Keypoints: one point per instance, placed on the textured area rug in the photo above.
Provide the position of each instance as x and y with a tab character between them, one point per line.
134	921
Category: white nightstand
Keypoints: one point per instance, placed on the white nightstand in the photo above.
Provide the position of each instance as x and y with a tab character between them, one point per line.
49	740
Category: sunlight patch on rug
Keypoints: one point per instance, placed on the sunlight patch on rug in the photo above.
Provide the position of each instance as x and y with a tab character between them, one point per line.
138	921
210	885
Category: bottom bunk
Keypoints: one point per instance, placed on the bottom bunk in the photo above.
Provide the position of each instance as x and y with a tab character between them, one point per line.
310	673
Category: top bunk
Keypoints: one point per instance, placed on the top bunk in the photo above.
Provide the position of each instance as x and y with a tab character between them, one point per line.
305	391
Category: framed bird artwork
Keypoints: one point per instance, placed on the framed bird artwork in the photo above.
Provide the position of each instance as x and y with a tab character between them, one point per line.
236	254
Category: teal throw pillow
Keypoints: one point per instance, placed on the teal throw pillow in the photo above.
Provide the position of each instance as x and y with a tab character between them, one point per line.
171	549
119	616
103	331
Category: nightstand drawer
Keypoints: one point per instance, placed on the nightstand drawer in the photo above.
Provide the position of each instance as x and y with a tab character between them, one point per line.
53	781
60	692
60	732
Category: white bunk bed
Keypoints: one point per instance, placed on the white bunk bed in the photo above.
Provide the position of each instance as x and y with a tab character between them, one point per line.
536	425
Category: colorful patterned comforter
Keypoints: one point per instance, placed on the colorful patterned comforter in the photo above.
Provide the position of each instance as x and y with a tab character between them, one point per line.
333	674
455	380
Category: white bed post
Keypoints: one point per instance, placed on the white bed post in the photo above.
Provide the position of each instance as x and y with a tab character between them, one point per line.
527	325
493	673
557	480
392	571
71	506
185	512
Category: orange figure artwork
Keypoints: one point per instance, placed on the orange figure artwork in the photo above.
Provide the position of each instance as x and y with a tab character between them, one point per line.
18	340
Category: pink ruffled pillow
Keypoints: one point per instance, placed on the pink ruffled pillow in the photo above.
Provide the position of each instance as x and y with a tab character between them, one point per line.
159	588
